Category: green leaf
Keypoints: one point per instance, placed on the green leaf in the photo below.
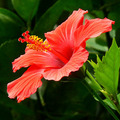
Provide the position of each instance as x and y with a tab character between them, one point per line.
9	51
92	84
71	5
98	59
92	63
26	8
48	19
96	4
109	102
98	98
10	25
118	97
107	70
97	44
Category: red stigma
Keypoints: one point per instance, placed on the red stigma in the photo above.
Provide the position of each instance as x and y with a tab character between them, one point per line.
26	37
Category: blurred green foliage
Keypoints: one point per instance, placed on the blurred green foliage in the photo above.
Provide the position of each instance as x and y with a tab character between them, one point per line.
66	99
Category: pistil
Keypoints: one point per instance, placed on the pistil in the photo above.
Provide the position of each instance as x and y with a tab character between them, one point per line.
36	43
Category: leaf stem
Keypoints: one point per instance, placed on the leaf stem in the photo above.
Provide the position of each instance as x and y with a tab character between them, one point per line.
93	82
93	92
41	97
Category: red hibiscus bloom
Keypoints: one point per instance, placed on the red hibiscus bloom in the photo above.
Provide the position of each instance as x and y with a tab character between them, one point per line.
61	53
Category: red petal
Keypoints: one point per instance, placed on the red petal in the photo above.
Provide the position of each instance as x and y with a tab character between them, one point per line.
43	59
76	61
92	28
61	39
26	85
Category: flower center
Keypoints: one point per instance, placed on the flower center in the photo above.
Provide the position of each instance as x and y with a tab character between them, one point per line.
36	43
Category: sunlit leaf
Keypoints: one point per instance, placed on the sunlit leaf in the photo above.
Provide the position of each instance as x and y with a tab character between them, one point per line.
93	64
118	97
107	70
108	102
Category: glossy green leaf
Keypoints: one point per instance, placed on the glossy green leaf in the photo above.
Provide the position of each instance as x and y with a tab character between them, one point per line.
10	25
26	8
109	103
48	19
94	85
107	70
97	13
9	51
118	97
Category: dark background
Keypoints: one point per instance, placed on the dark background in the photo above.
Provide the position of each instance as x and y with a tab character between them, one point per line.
64	100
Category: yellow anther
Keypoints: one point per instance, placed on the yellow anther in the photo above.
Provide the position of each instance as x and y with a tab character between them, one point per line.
41	40
37	43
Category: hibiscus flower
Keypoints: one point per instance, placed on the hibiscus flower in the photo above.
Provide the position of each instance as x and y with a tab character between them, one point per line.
62	52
